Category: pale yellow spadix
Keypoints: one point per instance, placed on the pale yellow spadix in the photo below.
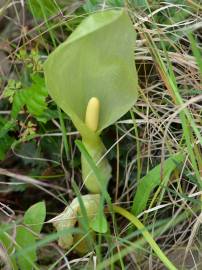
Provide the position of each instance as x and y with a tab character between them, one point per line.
92	114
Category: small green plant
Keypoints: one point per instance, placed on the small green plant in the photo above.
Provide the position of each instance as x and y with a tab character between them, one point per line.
26	94
32	96
92	77
22	251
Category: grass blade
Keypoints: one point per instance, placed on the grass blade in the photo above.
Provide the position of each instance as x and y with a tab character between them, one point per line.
148	237
152	180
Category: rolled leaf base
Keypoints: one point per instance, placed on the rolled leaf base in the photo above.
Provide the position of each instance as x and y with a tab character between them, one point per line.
71	217
96	150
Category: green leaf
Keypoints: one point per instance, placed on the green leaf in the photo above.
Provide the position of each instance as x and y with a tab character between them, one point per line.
34	97
95	61
99	223
24	239
35	216
25	236
5	145
150	181
9	125
5	140
47	115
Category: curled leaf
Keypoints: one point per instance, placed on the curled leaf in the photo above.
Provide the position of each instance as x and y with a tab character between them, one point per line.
69	217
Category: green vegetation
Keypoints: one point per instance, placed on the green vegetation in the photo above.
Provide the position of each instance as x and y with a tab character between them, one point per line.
100	134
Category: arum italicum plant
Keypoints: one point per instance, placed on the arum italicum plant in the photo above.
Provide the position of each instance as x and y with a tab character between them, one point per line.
92	77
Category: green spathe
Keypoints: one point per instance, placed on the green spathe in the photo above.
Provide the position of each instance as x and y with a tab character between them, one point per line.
95	61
